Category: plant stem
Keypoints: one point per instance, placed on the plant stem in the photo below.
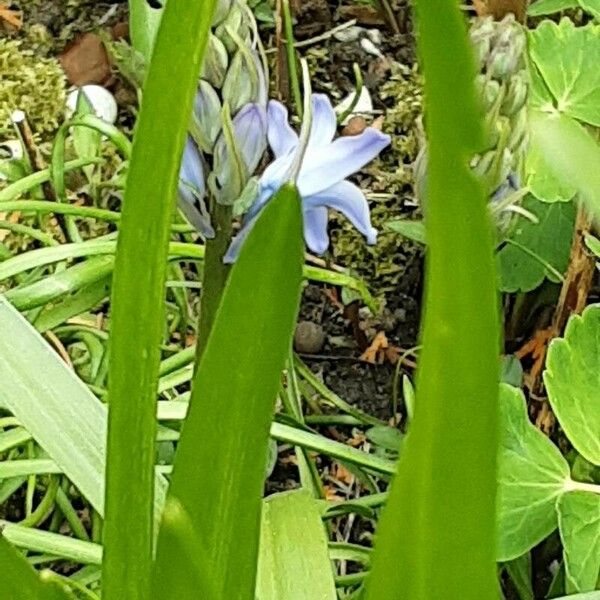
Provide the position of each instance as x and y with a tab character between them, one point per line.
215	273
291	56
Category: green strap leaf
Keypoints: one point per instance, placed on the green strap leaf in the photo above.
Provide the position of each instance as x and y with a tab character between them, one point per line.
294	563
233	401
138	293
435	537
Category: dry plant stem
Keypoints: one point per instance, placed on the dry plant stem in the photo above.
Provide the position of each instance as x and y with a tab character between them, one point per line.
294	80
215	273
388	14
576	286
282	78
19	119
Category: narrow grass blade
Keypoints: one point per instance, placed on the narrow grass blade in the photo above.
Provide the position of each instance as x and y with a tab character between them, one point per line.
20	581
294	560
233	399
55	407
436	536
138	296
53	544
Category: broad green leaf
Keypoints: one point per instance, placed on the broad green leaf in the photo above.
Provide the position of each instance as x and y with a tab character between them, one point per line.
572	379
138	289
20	581
567	59
233	400
579	168
55	407
579	526
532	475
293	563
537	251
435	536
547	7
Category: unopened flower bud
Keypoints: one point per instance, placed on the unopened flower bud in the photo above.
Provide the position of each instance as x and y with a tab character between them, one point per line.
206	118
238	150
216	61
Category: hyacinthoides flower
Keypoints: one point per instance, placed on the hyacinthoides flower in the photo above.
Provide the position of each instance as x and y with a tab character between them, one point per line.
221	156
321	173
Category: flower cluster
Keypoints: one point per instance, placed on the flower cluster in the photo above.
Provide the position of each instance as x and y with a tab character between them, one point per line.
321	181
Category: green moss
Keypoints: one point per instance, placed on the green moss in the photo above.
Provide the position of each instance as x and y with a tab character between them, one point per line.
389	179
30	83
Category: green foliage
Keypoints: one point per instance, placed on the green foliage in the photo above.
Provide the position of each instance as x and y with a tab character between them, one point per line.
566	58
442	502
138	298
20	581
30	83
536	251
572	378
548	7
532	475
294	563
537	492
579	524
232	403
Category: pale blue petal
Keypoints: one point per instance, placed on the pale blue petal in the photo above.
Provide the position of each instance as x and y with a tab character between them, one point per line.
324	122
191	173
192	190
250	129
282	138
264	195
349	200
236	243
278	172
315	229
326	165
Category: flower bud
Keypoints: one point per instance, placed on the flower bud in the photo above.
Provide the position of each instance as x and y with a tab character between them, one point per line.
216	60
206	118
238	150
245	81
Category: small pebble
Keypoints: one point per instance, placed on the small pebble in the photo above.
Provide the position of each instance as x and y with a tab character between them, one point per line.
355	125
309	337
101	100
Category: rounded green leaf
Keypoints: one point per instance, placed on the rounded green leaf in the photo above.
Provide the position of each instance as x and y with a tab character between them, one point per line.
572	379
532	474
579	525
536	251
567	58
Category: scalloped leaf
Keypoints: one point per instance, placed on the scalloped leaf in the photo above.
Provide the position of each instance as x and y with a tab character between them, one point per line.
572	379
579	526
547	244
532	475
567	57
